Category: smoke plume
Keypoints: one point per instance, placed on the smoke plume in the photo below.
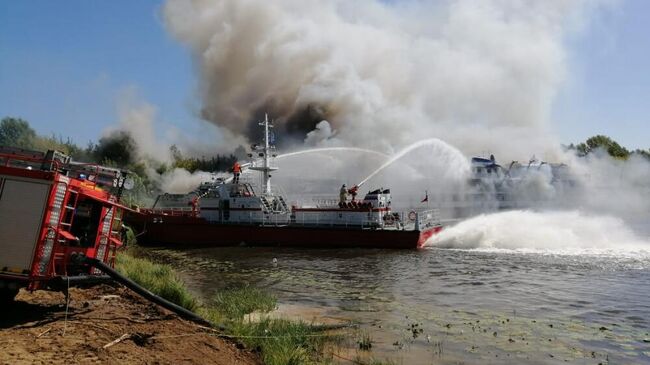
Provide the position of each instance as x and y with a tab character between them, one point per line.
137	119
383	74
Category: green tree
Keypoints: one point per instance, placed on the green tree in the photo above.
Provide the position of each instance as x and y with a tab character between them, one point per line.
643	153
603	142
16	132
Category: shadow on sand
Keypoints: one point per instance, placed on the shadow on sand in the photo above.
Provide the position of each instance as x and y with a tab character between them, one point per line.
22	314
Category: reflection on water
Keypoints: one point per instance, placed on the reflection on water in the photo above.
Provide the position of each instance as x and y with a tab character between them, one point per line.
473	307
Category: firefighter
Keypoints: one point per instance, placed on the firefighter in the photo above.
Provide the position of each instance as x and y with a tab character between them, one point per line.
353	192
343	194
236	171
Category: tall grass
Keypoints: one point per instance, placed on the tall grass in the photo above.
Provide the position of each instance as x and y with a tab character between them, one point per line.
159	279
236	303
279	341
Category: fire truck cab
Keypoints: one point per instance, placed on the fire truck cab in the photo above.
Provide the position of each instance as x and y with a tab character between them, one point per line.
51	207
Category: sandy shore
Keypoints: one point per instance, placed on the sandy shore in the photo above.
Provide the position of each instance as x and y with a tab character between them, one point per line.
34	330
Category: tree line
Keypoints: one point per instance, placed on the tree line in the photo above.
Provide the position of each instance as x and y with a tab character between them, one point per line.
118	149
605	143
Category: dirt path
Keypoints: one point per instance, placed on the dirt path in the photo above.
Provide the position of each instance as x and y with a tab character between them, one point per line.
33	330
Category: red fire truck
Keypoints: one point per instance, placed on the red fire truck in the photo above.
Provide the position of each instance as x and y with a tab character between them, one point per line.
50	208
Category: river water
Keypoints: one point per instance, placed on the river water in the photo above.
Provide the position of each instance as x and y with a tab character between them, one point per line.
452	306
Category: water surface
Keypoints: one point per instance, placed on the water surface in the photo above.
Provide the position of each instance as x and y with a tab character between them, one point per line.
453	306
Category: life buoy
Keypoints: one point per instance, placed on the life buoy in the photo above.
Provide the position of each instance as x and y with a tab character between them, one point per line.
412	215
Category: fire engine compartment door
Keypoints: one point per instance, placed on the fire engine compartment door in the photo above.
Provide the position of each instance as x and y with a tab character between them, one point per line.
22	205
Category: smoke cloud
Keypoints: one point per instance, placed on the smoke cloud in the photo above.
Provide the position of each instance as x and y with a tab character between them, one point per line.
138	120
181	181
383	74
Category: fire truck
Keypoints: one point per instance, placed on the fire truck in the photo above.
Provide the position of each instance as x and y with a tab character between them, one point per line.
52	208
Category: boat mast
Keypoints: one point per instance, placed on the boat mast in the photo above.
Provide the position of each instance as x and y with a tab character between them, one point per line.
267	176
266	167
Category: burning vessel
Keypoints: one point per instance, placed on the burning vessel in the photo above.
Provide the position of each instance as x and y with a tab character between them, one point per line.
517	185
232	211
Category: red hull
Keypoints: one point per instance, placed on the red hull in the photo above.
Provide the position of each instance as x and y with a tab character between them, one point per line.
189	231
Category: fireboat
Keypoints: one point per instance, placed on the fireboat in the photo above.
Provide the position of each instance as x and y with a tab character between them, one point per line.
232	212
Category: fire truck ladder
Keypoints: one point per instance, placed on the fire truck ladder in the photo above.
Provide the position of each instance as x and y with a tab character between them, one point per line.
73	198
105	236
117	223
46	254
67	219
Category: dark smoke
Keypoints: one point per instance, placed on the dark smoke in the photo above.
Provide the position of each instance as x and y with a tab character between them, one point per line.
290	127
119	147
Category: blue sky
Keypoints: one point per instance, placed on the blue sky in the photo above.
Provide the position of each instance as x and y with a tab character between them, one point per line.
608	86
64	65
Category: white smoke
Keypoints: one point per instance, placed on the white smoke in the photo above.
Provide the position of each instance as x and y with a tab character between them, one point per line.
138	119
479	75
321	135
619	187
181	181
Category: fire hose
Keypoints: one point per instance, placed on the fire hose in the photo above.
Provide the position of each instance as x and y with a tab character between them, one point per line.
182	312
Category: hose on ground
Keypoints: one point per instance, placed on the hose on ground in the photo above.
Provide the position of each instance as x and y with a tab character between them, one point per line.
184	313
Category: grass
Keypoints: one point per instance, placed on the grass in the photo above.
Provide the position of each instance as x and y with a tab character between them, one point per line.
159	279
365	341
279	341
360	361
236	303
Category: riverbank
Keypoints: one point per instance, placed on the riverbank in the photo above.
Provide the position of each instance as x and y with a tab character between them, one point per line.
109	325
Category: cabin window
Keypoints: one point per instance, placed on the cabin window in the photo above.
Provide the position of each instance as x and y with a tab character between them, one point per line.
86	221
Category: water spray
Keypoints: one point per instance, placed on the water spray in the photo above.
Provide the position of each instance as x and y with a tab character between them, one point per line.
327	149
457	158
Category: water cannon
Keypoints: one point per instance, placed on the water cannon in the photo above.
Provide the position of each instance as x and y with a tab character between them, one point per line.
353	190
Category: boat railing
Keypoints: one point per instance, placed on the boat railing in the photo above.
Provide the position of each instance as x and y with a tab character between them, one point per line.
175	212
347	223
407	221
425	218
325	201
